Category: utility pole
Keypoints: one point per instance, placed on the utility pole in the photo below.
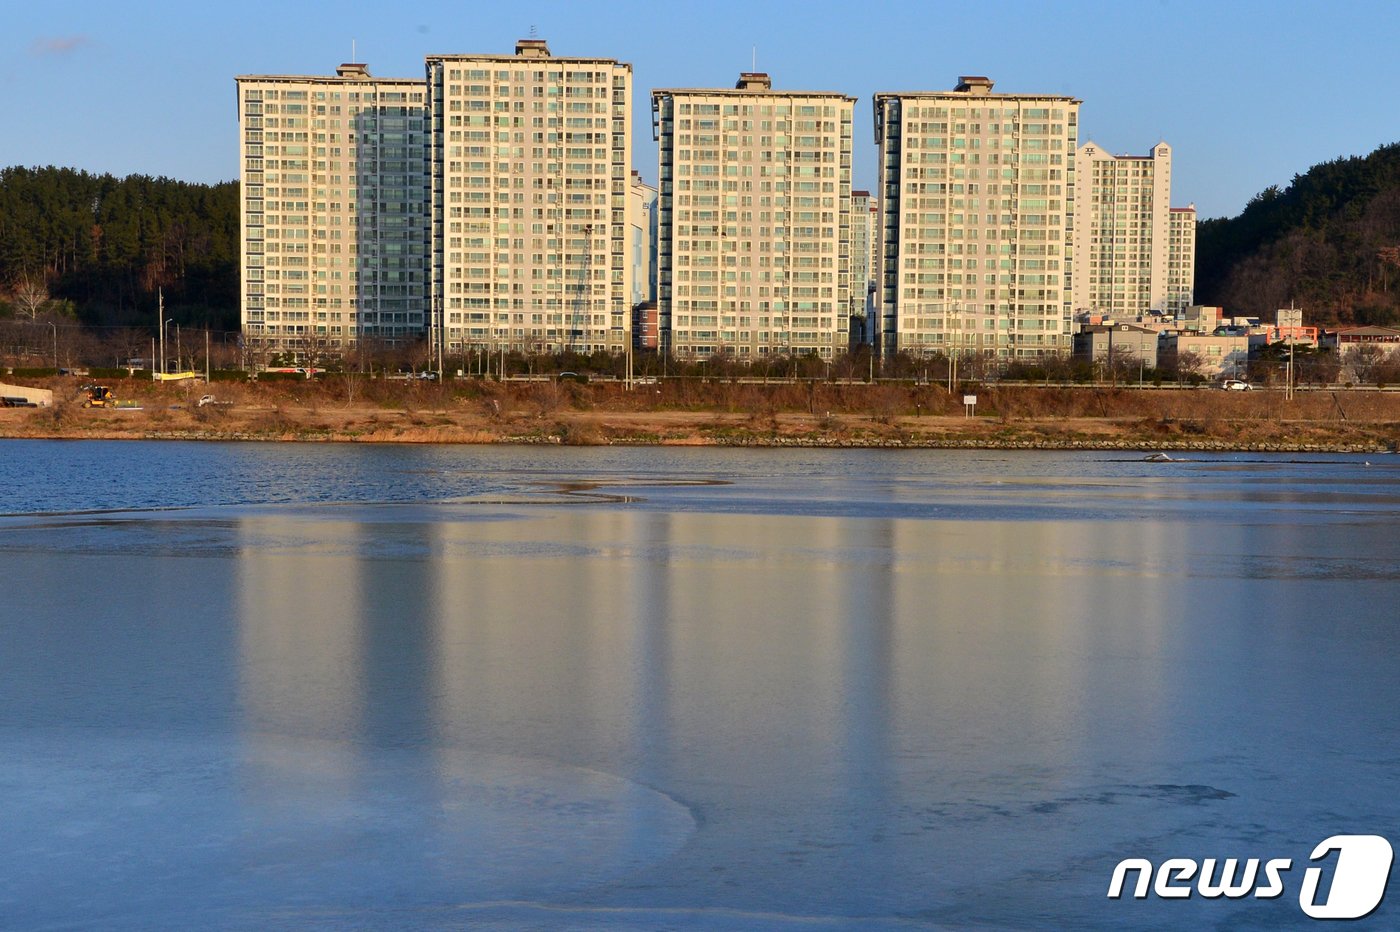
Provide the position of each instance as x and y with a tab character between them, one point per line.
1294	319
1288	395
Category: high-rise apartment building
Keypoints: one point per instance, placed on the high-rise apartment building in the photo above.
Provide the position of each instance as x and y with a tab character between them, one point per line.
977	214
863	231
334	217
1131	252
1181	259
875	259
531	161
753	228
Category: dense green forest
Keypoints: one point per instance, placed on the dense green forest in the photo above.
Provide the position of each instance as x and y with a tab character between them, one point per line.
100	248
1330	242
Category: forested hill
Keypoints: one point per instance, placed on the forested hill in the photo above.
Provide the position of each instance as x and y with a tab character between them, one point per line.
101	246
1330	242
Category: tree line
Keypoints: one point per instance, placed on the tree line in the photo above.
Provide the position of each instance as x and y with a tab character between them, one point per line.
99	249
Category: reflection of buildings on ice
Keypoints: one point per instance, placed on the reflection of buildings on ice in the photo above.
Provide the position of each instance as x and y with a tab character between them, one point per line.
336	643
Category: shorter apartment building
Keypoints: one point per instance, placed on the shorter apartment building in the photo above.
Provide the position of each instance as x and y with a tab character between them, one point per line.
1181	258
1132	251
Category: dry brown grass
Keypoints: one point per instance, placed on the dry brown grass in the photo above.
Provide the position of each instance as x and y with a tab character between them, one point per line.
472	411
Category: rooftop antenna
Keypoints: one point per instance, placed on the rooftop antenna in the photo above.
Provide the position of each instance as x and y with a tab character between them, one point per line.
534	31
352	51
754	66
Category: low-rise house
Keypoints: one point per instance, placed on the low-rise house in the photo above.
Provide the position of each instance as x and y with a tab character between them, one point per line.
1208	355
1202	318
1360	336
1110	342
646	327
1298	336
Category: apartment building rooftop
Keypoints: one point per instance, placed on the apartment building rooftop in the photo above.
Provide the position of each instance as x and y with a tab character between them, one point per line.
529	50
349	71
972	86
749	84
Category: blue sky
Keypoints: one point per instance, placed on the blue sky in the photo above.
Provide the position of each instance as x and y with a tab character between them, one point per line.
1248	93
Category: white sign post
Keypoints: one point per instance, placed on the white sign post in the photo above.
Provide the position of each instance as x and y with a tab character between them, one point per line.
969	404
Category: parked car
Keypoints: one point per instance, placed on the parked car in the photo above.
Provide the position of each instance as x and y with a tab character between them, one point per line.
1235	385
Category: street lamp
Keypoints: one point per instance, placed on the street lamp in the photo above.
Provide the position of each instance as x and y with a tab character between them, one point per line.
165	322
55	345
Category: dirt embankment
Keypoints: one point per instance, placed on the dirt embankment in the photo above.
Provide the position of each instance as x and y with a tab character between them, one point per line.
727	413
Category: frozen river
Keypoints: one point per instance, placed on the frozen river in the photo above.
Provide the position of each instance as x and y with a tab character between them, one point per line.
328	686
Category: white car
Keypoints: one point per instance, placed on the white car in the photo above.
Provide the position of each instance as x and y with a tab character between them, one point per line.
1235	385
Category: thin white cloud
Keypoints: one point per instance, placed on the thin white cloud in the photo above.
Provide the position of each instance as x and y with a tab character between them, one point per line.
58	45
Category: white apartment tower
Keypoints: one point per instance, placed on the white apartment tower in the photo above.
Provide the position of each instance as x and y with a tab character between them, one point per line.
753	219
1131	253
977	208
334	216
864	227
531	162
1181	260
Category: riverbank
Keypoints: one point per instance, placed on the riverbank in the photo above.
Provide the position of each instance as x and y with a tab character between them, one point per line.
728	414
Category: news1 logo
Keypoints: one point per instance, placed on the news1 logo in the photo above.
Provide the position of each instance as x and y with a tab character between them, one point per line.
1358	877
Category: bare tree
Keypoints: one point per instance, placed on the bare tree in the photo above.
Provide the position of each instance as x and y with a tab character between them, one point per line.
1124	365
1364	360
30	293
1185	365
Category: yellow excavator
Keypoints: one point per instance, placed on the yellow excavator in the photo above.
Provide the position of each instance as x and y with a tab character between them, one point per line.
99	396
